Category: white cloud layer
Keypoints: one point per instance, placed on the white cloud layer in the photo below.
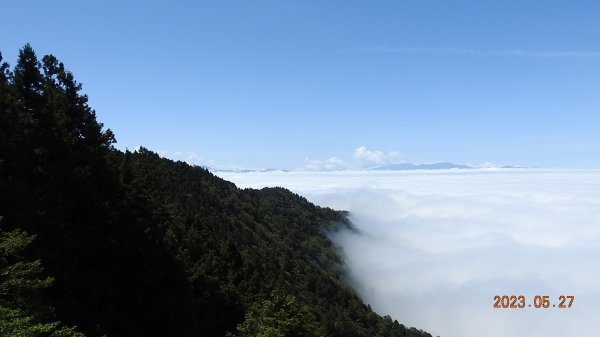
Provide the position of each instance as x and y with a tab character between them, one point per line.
435	247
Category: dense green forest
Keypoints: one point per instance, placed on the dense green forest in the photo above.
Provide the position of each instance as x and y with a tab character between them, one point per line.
95	241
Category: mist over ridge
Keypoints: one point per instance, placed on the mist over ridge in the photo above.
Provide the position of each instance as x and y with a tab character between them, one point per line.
434	247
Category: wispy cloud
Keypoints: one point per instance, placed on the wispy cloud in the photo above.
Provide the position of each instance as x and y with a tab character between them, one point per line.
188	156
331	164
376	157
361	158
484	52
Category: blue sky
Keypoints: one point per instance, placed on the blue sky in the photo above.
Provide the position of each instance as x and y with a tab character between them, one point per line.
292	83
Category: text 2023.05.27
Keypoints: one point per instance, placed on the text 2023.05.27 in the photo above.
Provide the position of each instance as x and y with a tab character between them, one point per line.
538	302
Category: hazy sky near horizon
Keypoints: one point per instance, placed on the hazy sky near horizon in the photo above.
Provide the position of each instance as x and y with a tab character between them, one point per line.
288	84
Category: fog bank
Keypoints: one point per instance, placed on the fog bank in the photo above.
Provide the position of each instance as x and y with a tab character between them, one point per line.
435	247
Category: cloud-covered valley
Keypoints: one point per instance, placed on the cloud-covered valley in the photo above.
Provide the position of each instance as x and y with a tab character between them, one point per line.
434	247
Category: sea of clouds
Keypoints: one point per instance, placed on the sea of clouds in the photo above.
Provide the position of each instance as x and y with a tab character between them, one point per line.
434	247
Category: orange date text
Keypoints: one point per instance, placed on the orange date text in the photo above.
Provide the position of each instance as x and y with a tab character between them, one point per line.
537	302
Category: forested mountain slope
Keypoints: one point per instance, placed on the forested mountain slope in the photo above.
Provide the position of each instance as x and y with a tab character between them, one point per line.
98	242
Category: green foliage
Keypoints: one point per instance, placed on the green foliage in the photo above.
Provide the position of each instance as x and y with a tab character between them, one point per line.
21	313
139	245
14	322
280	315
19	280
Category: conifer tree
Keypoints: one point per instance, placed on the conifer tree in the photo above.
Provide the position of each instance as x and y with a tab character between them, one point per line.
21	311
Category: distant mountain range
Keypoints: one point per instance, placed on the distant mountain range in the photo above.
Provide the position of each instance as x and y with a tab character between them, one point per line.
391	167
245	170
410	166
